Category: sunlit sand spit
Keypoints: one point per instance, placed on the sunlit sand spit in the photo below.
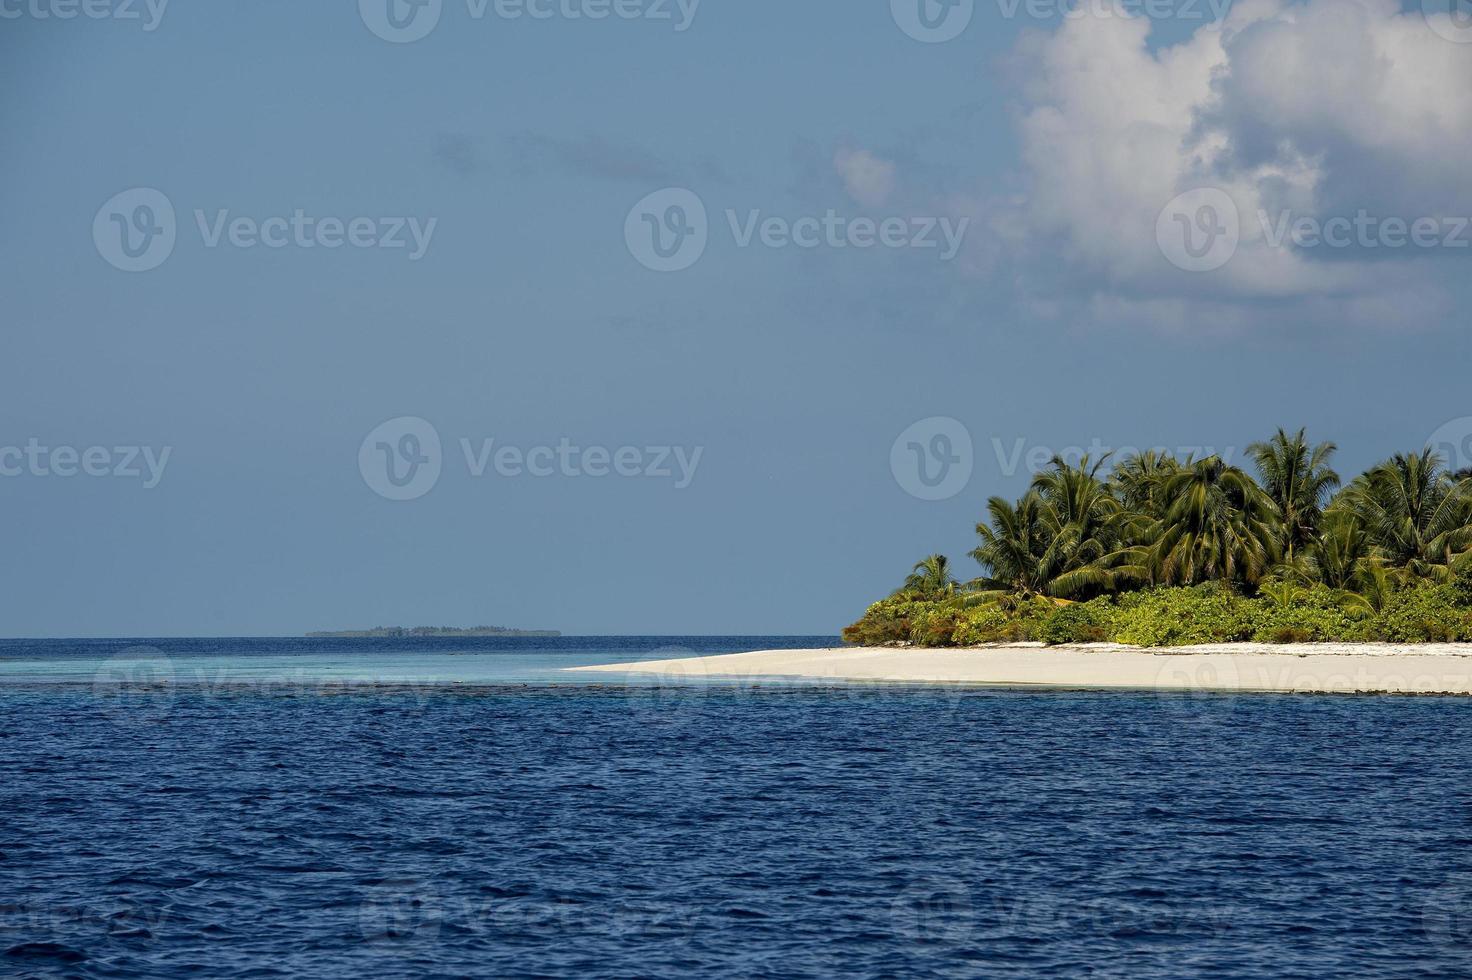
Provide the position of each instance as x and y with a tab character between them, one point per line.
1329	668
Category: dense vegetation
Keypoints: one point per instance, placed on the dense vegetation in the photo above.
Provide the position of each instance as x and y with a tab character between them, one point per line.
1158	551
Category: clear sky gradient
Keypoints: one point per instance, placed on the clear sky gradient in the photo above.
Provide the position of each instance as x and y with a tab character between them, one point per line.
530	320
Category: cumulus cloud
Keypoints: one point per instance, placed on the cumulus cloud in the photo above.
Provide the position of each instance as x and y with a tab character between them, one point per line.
1316	109
868	179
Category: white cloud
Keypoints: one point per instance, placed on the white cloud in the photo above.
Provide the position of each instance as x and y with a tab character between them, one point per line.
1323	107
867	178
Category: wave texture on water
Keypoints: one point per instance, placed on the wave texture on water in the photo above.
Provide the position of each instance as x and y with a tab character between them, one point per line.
718	831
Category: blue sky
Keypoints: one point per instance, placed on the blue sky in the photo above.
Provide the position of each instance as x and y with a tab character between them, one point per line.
529	319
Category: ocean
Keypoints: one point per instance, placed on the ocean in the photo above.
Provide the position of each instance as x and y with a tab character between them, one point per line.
460	807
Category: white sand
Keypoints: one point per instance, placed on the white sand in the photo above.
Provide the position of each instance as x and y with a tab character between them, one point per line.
1308	668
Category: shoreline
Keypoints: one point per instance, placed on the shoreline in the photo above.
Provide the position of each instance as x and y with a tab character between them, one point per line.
1321	668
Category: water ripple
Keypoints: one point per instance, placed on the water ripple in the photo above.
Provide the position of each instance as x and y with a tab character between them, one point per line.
880	832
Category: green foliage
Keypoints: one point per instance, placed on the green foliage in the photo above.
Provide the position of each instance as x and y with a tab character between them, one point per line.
1299	479
1461	588
1418	517
887	622
1312	615
1425	614
1420	612
1056	539
1221	556
931	578
1220	527
1185	616
1084	622
935	626
988	624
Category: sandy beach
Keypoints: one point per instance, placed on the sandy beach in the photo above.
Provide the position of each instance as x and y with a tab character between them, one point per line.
1310	668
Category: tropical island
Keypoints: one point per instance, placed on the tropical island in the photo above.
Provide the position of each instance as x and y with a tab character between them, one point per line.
400	632
1170	575
1157	551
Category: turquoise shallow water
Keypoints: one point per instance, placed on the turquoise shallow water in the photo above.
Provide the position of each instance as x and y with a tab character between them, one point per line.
288	662
527	824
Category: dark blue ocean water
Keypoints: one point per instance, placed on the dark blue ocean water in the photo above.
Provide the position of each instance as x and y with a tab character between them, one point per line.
526	829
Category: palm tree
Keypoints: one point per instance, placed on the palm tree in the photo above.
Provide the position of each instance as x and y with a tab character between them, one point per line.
1300	482
1341	560
1082	516
1416	515
1051	543
931	578
1219	525
1017	553
1139	481
1343	554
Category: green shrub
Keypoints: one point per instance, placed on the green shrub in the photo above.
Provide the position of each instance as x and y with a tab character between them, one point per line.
1085	622
936	626
1424	614
1314	615
1185	616
886	622
1176	617
1461	589
990	624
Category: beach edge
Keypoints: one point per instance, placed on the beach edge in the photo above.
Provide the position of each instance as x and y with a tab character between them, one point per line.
1328	668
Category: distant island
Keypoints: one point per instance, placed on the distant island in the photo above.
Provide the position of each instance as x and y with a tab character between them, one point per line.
401	632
